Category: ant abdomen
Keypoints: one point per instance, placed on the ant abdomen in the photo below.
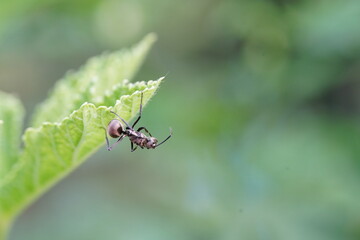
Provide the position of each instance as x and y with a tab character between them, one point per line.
115	128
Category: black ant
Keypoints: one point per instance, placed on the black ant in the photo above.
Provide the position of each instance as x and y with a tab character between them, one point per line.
116	130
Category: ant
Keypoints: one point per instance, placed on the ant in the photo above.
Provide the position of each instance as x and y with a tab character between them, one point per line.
116	130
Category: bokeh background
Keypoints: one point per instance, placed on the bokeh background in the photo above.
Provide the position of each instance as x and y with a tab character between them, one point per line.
263	97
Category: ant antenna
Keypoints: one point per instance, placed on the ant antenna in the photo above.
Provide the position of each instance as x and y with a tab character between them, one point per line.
166	74
165	139
121	119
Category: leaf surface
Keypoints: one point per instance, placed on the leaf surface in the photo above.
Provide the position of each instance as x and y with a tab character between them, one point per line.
93	82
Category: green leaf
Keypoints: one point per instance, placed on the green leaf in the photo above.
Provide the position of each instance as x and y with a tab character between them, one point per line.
11	117
93	82
55	149
68	128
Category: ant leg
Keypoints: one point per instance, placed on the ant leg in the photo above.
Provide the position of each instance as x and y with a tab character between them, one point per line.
140	111
165	138
107	141
121	119
143	128
120	138
132	147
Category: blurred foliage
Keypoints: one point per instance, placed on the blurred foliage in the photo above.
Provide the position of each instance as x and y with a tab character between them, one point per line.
263	97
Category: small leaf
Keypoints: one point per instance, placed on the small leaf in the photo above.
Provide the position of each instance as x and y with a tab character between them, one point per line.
11	124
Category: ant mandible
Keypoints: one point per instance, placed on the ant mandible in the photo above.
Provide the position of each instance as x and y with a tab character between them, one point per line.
116	130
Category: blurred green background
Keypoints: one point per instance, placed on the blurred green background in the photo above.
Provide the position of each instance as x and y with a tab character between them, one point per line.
263	97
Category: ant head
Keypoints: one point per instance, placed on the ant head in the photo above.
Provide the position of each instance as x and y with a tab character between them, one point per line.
152	142
115	129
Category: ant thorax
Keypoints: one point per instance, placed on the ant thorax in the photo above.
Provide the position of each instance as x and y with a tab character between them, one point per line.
141	139
131	133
